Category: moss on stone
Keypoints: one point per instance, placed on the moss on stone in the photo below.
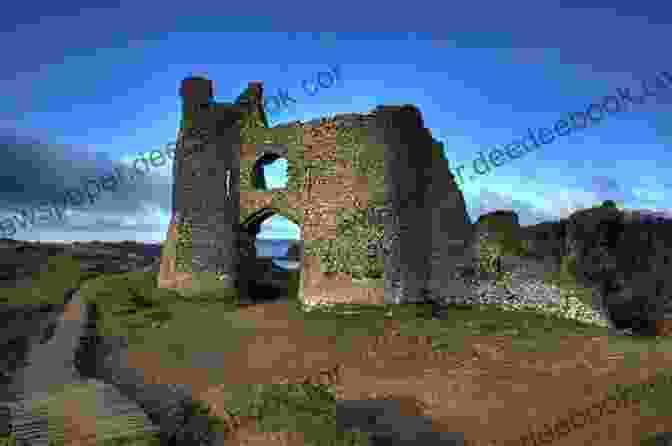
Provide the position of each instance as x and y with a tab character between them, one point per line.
255	116
349	252
367	157
247	175
490	255
183	258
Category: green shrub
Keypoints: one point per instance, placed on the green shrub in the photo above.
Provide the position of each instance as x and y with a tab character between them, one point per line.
609	204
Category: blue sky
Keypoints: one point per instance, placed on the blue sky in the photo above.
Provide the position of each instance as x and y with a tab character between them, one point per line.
88	88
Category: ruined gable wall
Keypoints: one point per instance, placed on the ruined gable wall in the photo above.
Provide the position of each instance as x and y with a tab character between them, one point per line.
427	232
337	254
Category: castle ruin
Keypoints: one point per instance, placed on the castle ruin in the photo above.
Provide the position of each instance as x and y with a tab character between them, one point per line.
341	171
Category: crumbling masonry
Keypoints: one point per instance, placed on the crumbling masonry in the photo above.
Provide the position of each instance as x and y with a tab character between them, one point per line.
340	170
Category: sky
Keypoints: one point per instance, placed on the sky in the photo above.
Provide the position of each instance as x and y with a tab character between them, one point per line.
91	87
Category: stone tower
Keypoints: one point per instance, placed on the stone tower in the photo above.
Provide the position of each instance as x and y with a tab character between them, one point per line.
203	234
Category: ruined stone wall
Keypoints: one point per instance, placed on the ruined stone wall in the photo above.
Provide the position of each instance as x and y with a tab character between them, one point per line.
337	230
452	234
546	240
427	229
323	195
400	131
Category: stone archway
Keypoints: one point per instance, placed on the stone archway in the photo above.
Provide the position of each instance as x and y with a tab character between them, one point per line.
260	274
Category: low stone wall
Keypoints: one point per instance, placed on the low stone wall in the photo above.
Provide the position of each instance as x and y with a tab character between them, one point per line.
167	406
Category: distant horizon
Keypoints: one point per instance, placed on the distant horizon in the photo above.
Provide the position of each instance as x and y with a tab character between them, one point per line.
665	214
121	241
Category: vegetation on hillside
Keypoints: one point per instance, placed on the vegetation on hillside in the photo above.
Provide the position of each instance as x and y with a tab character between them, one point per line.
50	284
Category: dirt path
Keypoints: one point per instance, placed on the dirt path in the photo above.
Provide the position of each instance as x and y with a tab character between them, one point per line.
490	391
51	376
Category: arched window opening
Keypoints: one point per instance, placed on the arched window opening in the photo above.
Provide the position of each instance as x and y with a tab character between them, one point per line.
270	172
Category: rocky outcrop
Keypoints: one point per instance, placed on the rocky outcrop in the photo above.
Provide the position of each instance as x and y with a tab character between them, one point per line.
626	261
629	262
